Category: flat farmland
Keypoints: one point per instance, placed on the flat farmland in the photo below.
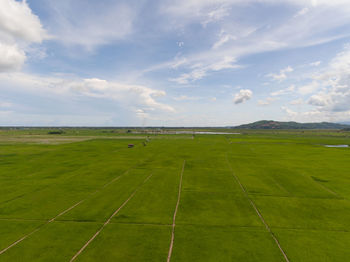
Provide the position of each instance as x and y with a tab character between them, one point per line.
254	196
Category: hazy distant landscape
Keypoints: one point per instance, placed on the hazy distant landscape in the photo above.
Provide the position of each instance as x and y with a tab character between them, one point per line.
270	124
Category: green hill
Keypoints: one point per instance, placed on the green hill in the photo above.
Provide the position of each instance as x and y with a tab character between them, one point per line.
270	124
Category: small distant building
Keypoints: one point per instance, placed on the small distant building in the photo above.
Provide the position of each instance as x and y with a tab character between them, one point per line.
130	145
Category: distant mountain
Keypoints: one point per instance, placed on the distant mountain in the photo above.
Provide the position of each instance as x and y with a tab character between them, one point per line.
345	123
270	124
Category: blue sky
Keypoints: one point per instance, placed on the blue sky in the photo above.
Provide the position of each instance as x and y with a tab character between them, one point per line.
173	62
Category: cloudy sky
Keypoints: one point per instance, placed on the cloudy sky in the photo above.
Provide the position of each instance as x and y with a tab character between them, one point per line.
173	62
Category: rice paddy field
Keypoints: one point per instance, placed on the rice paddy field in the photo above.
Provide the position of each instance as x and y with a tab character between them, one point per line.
256	196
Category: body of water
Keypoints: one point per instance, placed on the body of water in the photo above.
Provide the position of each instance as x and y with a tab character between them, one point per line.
340	146
205	133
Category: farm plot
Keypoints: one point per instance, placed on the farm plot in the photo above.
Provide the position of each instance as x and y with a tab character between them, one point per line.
257	197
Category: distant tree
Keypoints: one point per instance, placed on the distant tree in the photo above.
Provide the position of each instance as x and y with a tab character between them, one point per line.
56	132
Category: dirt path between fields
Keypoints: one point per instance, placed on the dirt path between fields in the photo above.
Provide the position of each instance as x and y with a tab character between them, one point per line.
330	190
175	212
109	219
257	212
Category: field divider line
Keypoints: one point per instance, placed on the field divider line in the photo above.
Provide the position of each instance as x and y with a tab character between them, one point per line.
175	213
257	211
109	219
19	240
63	212
329	190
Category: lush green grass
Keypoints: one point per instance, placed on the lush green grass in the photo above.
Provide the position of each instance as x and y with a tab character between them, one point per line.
68	188
121	242
10	231
318	245
210	243
55	242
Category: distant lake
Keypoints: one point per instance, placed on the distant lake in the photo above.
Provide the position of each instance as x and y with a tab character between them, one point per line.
205	133
186	132
339	146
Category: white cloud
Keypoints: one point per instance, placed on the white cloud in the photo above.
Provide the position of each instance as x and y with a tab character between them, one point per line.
224	38
310	13
185	98
319	100
282	74
290	113
213	99
19	28
242	96
309	88
203	11
11	57
329	91
194	75
302	12
298	101
317	116
316	63
180	44
178	61
318	22
285	91
13	118
90	24
127	95
201	69
267	101
141	113
17	21
216	14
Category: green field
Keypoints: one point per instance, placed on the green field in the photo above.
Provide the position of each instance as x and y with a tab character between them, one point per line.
257	196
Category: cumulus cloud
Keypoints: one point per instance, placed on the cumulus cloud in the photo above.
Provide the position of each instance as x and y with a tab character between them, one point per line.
319	100
11	57
242	96
19	28
127	95
328	91
18	21
335	82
